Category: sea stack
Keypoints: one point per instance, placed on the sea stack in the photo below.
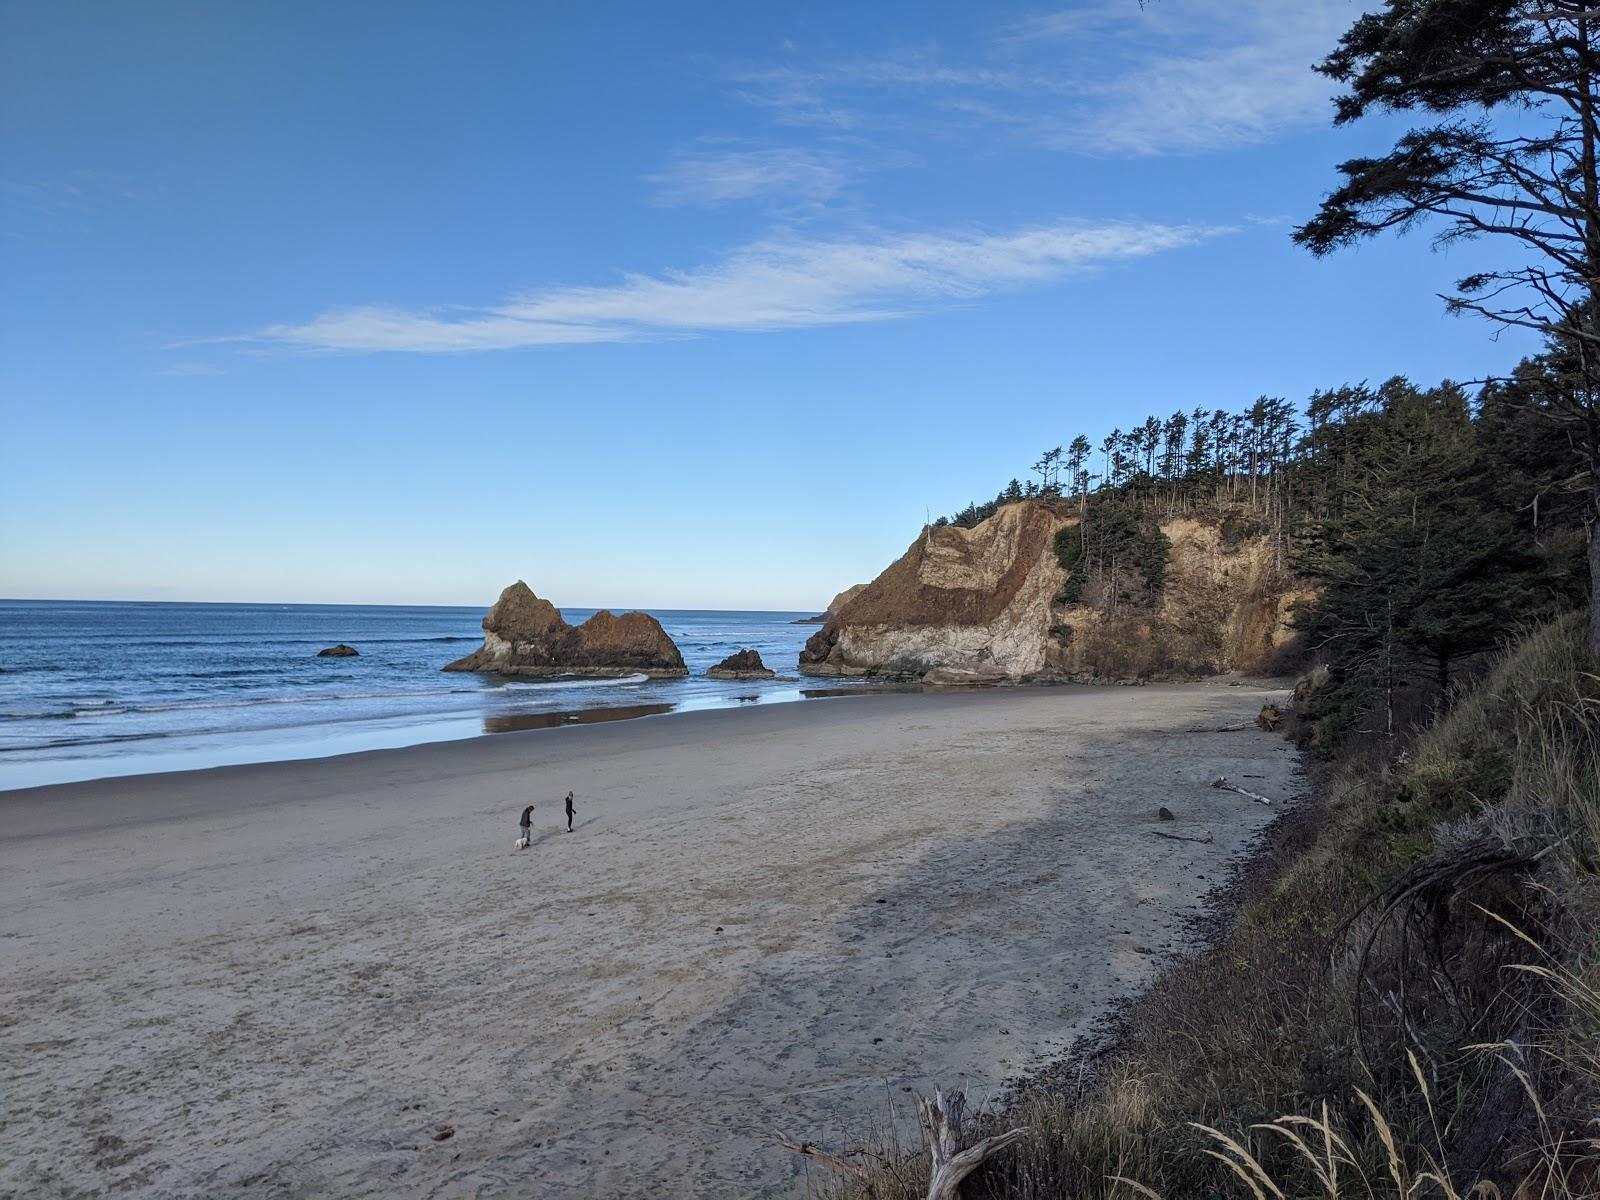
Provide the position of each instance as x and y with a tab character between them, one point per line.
525	635
746	664
339	651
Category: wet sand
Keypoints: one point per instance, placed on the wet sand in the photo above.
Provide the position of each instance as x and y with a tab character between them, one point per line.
291	979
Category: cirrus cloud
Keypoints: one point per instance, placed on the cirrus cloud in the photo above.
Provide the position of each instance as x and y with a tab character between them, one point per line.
775	284
720	175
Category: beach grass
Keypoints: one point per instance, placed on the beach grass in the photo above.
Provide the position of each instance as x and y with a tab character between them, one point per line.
1405	1003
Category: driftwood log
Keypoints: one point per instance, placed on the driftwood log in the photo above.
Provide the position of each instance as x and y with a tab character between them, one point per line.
1221	781
941	1118
811	1150
1178	837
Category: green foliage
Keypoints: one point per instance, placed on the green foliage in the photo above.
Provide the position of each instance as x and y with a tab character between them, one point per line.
1238	528
1068	545
1371	945
1152	552
1419	561
1119	548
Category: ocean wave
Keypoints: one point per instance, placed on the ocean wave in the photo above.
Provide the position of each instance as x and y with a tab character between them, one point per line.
71	743
572	682
87	709
234	673
319	698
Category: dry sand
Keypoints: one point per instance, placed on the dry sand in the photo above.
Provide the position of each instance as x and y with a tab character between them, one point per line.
283	980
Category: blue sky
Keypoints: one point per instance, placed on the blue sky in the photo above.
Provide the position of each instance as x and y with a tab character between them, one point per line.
695	305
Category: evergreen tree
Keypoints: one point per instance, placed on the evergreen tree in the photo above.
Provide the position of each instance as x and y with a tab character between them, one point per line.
1530	181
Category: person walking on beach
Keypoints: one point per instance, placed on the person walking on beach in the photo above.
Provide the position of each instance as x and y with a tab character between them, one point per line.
569	812
526	825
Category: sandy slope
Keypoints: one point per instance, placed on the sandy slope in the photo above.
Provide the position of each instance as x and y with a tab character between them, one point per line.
282	980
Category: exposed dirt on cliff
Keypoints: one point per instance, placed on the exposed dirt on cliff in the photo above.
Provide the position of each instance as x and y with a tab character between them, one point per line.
1226	606
991	598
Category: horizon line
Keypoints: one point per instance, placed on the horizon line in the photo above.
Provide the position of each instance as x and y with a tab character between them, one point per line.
382	604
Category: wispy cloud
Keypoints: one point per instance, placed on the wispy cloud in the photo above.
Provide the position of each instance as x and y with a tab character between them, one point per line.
720	175
775	284
1249	82
1097	77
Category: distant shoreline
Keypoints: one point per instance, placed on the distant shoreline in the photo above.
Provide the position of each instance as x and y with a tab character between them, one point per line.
98	689
501	726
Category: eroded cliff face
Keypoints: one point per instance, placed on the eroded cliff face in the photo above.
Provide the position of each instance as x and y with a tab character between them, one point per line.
843	598
962	598
525	635
986	603
1226	606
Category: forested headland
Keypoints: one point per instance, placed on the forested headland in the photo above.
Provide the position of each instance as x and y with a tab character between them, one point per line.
1406	1001
1435	524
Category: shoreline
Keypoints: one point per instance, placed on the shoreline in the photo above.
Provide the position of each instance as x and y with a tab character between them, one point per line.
211	750
525	723
775	916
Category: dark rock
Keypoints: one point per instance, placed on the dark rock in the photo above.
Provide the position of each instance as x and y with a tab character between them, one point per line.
524	635
746	664
975	675
339	651
1165	814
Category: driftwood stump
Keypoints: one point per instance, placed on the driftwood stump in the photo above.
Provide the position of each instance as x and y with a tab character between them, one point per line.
941	1118
941	1122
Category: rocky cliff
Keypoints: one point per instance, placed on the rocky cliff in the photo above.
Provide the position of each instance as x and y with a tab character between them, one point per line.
524	635
838	602
991	602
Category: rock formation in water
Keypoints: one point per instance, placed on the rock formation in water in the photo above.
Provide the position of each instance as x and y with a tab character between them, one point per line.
524	635
838	602
746	664
339	651
990	603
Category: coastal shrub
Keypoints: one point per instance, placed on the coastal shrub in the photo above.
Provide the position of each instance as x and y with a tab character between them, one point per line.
1072	590
1068	544
1238	528
1412	974
1120	549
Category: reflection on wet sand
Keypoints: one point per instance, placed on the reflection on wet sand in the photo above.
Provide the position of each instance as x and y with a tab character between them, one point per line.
517	722
583	716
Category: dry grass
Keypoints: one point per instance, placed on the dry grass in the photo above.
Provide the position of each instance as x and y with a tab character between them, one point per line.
1413	974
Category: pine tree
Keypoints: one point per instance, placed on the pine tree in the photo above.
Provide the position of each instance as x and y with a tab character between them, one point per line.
1529	181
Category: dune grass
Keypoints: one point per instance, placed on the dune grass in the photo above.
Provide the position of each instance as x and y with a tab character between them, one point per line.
1407	1003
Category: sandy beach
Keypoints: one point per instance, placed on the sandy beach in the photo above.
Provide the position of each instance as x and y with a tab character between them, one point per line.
338	978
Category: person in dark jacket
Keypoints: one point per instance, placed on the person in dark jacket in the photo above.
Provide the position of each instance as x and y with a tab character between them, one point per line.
570	811
526	825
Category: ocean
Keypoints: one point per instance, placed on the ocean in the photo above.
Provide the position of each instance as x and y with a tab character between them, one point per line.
90	689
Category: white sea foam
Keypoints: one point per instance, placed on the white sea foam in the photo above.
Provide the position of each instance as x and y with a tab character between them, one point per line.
314	698
619	681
